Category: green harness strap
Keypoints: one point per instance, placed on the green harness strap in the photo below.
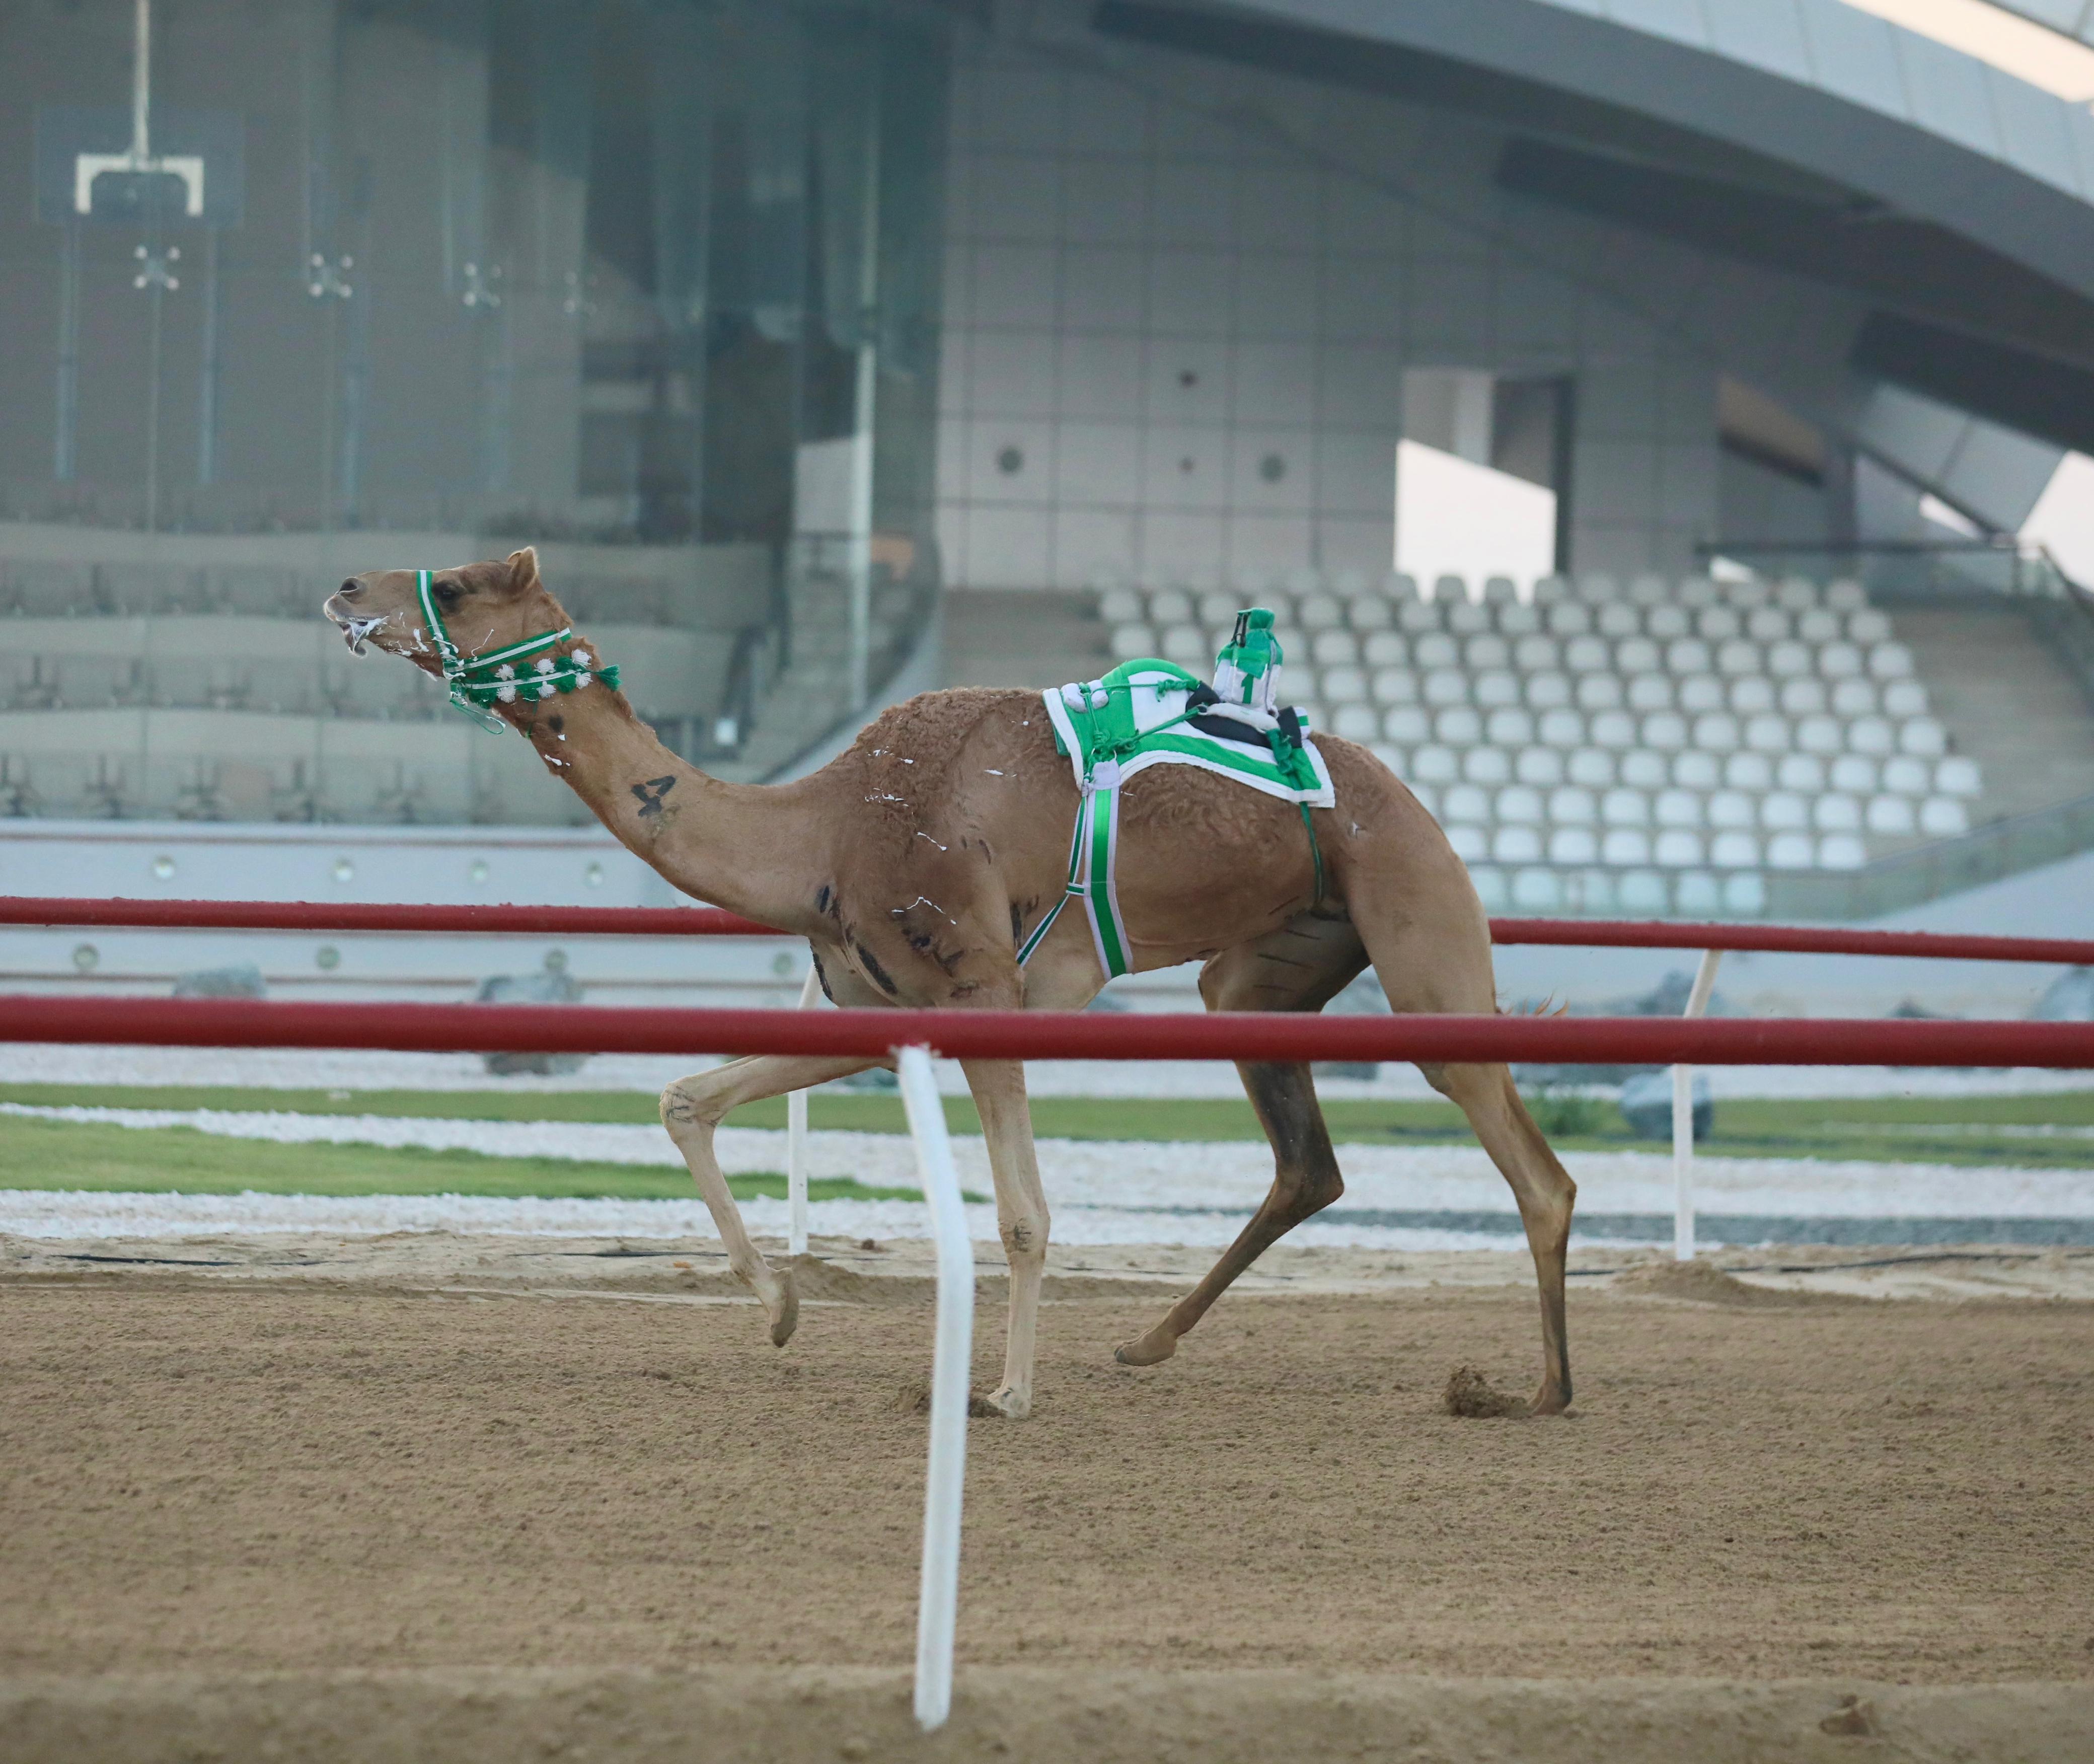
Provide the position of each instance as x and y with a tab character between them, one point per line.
479	683
1107	732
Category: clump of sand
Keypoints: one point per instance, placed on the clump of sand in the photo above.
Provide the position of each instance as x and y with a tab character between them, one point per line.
1470	1395
1702	1282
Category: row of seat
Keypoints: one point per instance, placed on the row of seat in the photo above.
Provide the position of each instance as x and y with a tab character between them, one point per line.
1774	812
1598	768
1713	733
1354	588
1635	892
1624	848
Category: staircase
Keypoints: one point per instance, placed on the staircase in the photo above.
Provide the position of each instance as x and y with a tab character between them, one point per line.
2008	700
1034	639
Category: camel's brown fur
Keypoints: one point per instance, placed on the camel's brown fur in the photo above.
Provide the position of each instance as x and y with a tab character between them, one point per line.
916	862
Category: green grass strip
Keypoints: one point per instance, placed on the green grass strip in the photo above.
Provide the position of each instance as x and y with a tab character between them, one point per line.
1945	1130
50	1155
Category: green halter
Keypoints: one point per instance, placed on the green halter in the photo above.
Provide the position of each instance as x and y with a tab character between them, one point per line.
479	684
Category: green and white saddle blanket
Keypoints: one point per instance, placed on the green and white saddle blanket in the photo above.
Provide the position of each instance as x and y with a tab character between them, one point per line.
1150	712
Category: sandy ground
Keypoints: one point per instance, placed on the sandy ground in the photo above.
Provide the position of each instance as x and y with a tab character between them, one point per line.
490	1498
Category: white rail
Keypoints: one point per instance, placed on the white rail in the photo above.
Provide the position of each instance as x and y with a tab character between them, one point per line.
795	1141
1683	1119
938	1610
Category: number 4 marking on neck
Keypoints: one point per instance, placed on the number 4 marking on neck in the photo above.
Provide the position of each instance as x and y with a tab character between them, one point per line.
651	793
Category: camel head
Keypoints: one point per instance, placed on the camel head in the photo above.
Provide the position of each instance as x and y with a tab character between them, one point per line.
484	607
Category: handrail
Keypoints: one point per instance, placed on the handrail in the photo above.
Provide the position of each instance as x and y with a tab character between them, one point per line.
713	922
1045	1034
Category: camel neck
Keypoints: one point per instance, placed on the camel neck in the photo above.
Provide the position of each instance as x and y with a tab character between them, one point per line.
751	848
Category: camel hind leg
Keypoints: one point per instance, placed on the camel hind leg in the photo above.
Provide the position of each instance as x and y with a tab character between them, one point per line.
1431	945
1302	967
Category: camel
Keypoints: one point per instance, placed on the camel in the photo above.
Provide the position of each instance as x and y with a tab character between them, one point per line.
917	862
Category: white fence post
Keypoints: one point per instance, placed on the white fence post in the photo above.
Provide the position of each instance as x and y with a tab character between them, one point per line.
1683	1119
938	1601
795	1141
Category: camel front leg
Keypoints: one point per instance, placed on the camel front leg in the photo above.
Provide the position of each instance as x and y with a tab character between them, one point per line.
692	1108
1021	1217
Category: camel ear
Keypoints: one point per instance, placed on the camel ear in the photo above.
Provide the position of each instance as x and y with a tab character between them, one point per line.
523	570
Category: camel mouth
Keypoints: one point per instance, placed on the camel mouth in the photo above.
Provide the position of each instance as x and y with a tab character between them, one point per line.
355	631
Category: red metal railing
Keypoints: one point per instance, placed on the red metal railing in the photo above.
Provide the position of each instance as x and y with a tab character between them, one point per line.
711	922
1045	1034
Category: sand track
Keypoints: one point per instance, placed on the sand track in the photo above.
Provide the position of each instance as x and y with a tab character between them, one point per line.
247	1477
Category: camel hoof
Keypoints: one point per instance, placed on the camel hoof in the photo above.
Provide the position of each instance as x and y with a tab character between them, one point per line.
1151	1350
1007	1403
784	1311
1548	1401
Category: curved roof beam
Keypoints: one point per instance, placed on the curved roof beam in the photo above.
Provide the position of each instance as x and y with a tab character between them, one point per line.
1817	88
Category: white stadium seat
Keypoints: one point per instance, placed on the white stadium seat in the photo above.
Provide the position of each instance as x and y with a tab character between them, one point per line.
1642	767
1170	607
1500	590
1343	685
1625	845
1217	606
1334	648
1677	808
1802	698
1537	655
1748	770
1571	805
1853	697
1737	655
1446	686
1599	692
1731	808
1618	619
1385	649
1487	651
1550	590
1665	730
1890	661
1801	771
1923	736
1449	589
1838	661
1613	728
1562	728
1407	723
1489	765
1570	619
1650	692
1820	735
1465	618
1318	612
1716	732
1624	807
1351	585
1783	811
1870	734
1676	848
1790	661
1855	773
1187	646
1905	698
1796	594
1510	727
1868	627
1547	691
1399	585
1791	851
1718	624
1517	619
1129	642
1841	851
1892	816
1697	591
1750	695
1956	776
1845	596
1458	726
1698	693
1636	655
1747	593
1355	722
1694	770
1541	766
1120	607
1903	775
1598	587
1573	845
1944	818
1435	648
1591	767
1516	845
1466	802
1833	813
1768	734
1471	843
1373	613
1395	685
1768	625
1415	616
1500	686
1735	851
1520	804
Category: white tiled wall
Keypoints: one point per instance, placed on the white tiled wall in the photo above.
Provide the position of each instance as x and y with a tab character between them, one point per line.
1174	344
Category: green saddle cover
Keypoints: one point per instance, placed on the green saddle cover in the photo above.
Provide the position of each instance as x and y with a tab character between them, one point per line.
1143	714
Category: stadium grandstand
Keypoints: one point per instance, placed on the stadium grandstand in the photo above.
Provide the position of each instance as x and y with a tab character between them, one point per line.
1641	413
